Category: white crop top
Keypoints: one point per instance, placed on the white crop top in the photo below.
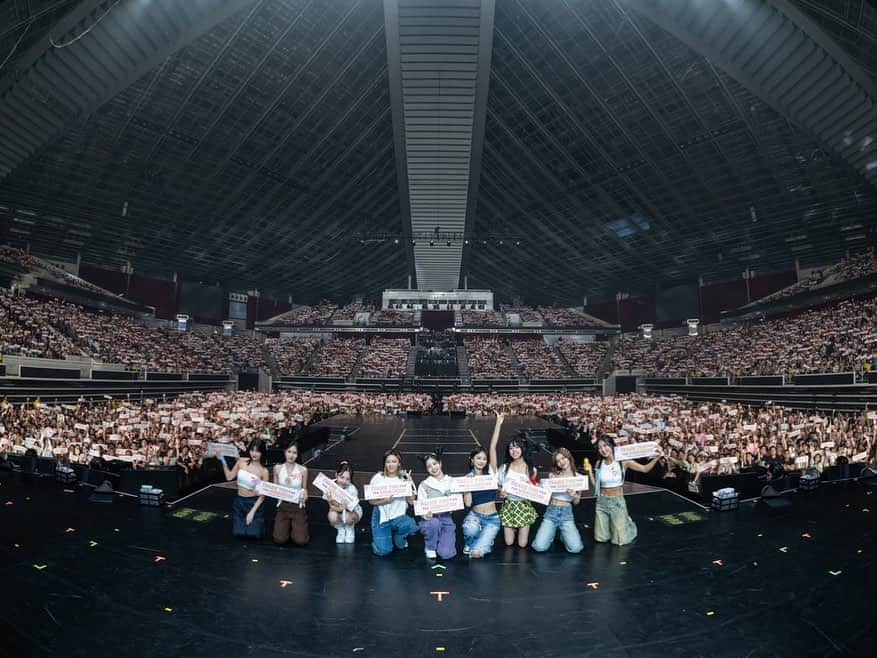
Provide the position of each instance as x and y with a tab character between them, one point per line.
247	480
611	475
293	481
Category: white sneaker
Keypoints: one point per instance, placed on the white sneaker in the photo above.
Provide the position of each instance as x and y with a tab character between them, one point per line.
350	536
342	535
431	554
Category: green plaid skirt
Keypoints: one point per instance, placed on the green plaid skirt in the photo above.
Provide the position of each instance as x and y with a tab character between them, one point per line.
517	514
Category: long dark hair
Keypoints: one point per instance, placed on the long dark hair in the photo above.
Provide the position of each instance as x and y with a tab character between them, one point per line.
472	461
258	444
435	454
526	455
609	441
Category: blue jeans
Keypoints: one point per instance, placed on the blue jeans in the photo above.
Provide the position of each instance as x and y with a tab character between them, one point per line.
612	522
479	531
558	517
395	531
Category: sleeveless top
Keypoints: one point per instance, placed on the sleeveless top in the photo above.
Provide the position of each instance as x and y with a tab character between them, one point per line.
293	481
611	475
486	496
247	480
501	475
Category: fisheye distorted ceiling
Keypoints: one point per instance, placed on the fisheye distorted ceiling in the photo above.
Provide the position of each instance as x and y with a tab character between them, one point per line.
262	148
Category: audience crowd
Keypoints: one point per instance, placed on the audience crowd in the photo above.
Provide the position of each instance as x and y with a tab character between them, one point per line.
489	358
583	358
386	358
538	360
699	438
852	267
336	357
837	338
164	433
291	354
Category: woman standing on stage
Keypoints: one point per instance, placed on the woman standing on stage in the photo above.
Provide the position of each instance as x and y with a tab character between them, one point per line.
481	525
612	522
291	519
341	518
391	525
517	514
439	530
558	515
248	517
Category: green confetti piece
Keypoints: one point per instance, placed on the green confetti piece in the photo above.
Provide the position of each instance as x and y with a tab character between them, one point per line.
760	534
92	543
710	613
254	561
622	563
835	573
168	609
40	567
784	549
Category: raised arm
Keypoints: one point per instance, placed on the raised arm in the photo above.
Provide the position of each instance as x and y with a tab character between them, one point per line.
494	440
232	473
645	468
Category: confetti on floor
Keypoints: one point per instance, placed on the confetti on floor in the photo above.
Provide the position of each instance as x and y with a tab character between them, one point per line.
807	535
718	563
710	613
40	567
168	609
70	530
784	549
594	585
285	583
254	561
160	558
622	563
92	543
835	573
439	595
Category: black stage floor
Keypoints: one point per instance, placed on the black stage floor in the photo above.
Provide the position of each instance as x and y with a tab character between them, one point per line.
90	579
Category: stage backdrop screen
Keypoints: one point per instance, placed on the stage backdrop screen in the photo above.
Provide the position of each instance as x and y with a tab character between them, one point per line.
200	301
678	303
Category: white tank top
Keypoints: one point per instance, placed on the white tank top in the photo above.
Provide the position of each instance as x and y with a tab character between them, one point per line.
247	480
611	475
293	481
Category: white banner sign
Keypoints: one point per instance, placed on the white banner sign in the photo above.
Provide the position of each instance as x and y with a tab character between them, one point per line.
728	460
223	450
522	487
280	492
705	466
438	505
827	444
473	483
401	490
576	483
636	450
860	457
802	461
334	490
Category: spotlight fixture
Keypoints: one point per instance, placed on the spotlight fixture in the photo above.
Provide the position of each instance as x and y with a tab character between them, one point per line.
448	243
431	243
465	242
396	241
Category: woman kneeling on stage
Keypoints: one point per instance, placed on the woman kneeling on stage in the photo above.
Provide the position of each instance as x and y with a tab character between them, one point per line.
481	525
248	517
439	530
291	519
391	525
558	515
517	514
612	522
340	518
